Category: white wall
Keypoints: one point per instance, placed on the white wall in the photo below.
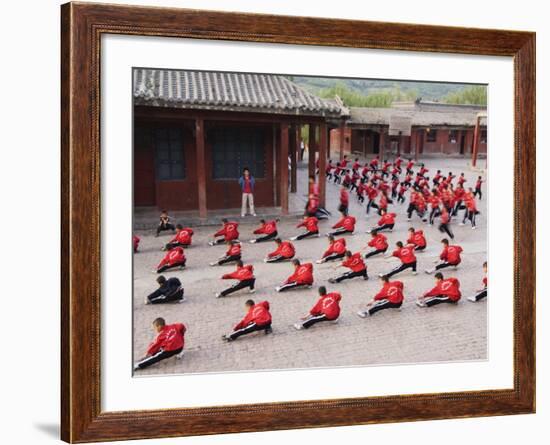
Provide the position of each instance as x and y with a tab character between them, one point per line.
29	190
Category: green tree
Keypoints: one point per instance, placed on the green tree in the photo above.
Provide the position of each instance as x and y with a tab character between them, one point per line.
473	95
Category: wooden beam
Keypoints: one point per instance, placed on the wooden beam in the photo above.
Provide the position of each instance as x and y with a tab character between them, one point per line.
311	150
201	166
294	147
475	147
323	152
342	138
283	166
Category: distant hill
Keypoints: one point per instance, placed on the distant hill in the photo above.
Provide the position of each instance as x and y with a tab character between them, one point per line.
433	91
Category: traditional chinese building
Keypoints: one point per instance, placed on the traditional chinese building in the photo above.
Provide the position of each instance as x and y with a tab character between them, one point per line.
195	131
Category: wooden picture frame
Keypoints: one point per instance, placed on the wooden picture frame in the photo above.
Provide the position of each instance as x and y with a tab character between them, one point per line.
82	26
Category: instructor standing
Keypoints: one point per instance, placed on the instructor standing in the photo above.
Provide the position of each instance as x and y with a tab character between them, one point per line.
247	182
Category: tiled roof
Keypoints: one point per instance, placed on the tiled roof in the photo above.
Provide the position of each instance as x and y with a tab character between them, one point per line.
420	115
264	93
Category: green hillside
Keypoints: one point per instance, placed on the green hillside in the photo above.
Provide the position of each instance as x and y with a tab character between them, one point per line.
381	93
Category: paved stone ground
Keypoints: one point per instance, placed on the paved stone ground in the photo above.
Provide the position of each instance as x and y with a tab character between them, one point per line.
413	335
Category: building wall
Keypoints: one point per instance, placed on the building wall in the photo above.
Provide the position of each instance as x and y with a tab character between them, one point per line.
183	194
442	145
334	141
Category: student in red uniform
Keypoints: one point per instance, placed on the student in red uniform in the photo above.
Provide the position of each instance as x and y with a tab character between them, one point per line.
417	239
435	202
229	232
169	290
445	291
357	268
346	224
409	167
386	222
356	165
481	293
459	193
477	191
407	258
284	251
337	173
164	223
378	242
471	209
444	222
268	230
372	193
257	318
174	258
397	163
450	256
401	193
389	297
232	255
327	308
437	178
135	242
183	238
336	250
344	200
344	162
328	170
383	203
244	275
311	224
423	170
168	343
302	277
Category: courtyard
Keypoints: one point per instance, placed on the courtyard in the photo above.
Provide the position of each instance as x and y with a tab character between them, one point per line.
412	335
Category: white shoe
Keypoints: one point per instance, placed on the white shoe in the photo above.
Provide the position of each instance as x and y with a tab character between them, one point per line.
278	289
474	227
428	271
214	264
293	238
420	303
319	262
298	326
180	355
318	235
147	301
218	295
182	300
265	260
252	241
211	243
254	214
251	291
414	272
368	231
462	224
472	299
242	215
363	314
380	275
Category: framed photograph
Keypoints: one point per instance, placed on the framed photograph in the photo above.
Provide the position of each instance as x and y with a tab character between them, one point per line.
276	222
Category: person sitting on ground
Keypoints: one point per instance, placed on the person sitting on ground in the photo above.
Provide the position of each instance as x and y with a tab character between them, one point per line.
311	224
450	256
135	242
257	318
232	255
378	242
345	225
183	238
386	222
285	251
357	267
268	230
228	232
481	293
417	239
407	258
245	277
336	250
389	297
302	277
445	291
174	258
327	308
169	290
169	342
164	223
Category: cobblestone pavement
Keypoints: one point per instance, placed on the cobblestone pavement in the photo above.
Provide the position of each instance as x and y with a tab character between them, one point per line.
412	335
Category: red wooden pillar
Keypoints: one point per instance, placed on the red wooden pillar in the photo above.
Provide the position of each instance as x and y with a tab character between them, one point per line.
311	150
342	138
475	147
323	150
294	147
201	166
283	166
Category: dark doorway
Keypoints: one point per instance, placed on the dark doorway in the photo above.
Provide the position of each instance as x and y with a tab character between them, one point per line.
462	143
376	143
